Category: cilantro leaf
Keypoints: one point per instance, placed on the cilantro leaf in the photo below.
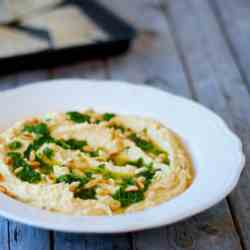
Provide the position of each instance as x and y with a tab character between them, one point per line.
128	198
48	152
75	144
86	193
69	178
78	117
26	173
141	143
15	145
107	116
39	129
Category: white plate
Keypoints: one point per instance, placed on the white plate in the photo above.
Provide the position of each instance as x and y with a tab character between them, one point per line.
216	151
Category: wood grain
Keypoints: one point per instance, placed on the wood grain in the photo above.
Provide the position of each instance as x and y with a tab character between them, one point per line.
15	236
94	70
25	237
218	84
4	234
91	242
155	60
234	19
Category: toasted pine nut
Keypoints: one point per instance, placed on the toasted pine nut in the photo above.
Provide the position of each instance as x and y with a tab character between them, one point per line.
114	205
32	156
34	164
17	170
131	188
2	148
92	183
140	183
3	189
10	194
87	148
103	191
7	161
33	120
2	178
6	191
73	186
111	181
27	135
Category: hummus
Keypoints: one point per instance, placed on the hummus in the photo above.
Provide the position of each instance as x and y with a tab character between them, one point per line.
86	163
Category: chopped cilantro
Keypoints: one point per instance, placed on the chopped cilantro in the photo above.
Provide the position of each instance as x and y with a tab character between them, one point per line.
106	173
148	174
80	192
29	175
128	198
75	144
78	117
37	144
48	152
94	153
26	173
149	147
17	160
127	181
138	163
119	161
69	178
100	169
86	193
165	158
44	167
39	129
71	144
117	127
107	116
62	143
141	143
15	145
98	121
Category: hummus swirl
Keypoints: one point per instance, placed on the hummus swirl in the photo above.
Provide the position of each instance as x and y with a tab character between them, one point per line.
87	163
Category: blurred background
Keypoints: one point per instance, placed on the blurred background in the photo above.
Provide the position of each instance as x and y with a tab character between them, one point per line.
63	30
193	48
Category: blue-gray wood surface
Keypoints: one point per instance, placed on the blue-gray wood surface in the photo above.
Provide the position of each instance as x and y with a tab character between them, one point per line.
199	49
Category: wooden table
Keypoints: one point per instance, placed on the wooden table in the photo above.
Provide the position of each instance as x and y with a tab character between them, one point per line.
195	48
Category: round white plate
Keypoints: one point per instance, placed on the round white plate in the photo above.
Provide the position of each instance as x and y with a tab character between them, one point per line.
215	150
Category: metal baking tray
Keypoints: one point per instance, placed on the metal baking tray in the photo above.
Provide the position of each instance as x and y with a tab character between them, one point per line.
72	30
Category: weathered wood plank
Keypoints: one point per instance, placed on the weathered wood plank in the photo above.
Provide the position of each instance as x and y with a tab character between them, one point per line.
91	242
218	84
234	18
93	70
154	60
4	234
208	230
14	235
24	237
